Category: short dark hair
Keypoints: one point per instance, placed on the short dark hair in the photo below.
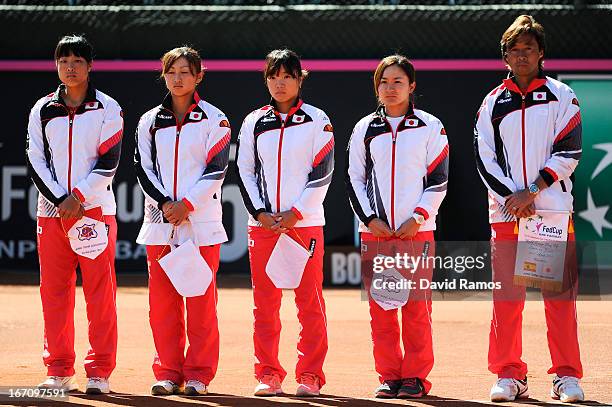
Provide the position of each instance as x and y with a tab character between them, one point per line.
191	55
397	59
76	45
524	24
284	58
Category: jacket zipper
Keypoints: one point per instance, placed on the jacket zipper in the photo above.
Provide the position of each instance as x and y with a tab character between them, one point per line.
179	126
278	178
523	139
70	122
393	148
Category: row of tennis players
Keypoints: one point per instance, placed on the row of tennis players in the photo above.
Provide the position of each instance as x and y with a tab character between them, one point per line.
396	180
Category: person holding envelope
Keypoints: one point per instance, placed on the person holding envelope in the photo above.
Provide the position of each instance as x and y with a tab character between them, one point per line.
285	162
73	150
181	160
528	138
396	179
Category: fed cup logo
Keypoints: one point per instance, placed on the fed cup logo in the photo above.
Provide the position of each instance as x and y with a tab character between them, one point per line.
87	232
534	224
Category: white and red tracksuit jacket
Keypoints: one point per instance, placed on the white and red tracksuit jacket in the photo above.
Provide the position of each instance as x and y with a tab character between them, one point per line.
74	150
286	164
520	136
183	161
393	173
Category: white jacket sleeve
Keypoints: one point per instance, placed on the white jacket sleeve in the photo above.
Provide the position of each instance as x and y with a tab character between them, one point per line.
567	146
245	161
436	179
497	182
146	171
355	176
39	166
217	158
109	153
322	169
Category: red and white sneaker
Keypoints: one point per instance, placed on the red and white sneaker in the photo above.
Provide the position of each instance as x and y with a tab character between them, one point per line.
310	385
269	385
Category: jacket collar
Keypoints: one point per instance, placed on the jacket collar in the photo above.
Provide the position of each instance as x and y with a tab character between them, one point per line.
167	102
537	82
90	96
296	106
380	111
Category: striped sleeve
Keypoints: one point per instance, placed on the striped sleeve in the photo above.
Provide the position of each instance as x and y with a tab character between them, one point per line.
39	166
320	176
144	164
355	176
567	146
109	153
245	162
436	179
498	183
217	158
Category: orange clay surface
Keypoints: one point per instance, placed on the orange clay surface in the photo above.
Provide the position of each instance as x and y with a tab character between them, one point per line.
459	377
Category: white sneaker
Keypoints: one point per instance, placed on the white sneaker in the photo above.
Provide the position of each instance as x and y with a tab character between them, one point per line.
195	388
507	389
97	385
67	383
567	389
310	386
269	385
164	388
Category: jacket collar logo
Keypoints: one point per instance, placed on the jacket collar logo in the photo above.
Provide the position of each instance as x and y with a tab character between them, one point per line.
539	96
195	115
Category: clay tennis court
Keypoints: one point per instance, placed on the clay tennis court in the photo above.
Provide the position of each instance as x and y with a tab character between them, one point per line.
460	376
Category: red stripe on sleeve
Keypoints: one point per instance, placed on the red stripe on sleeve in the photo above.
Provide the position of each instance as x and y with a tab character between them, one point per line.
79	194
188	204
297	213
324	151
571	125
552	173
110	143
438	160
422	212
218	147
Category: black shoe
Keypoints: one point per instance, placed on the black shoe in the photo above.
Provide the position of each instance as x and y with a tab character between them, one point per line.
388	389
412	387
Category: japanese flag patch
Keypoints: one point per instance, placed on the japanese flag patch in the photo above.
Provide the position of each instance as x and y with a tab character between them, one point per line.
412	123
298	119
539	96
195	116
91	105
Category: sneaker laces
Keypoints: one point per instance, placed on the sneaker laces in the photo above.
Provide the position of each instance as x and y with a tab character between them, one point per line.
506	381
271	380
309	379
412	381
569	381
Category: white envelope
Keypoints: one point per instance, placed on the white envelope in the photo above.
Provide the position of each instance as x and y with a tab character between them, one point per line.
187	270
384	294
88	237
286	264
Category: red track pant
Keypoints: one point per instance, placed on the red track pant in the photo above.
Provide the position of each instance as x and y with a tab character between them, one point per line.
57	291
505	339
167	319
312	343
416	333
